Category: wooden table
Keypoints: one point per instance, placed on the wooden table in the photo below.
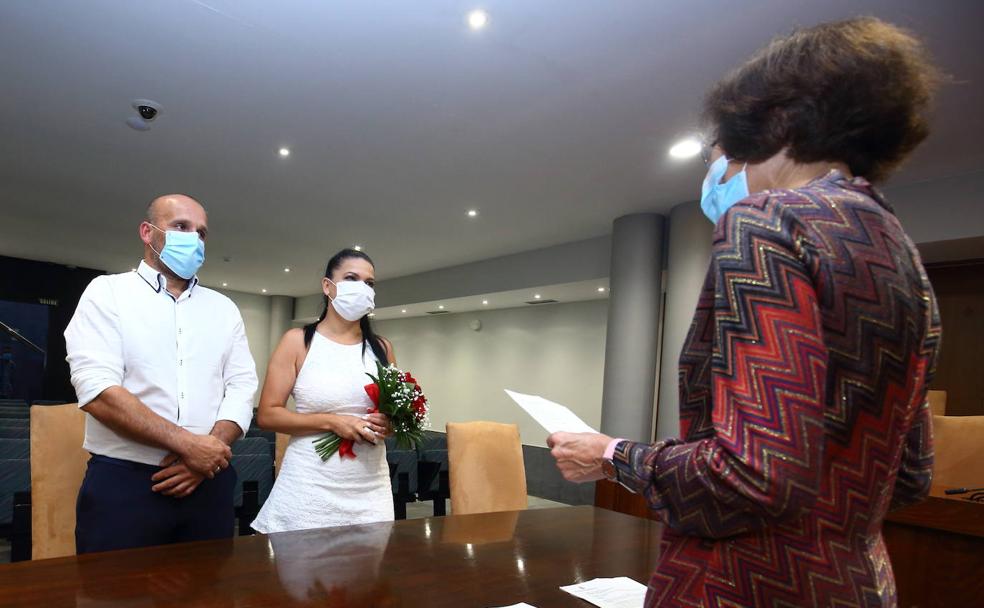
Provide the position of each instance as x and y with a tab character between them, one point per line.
479	561
937	551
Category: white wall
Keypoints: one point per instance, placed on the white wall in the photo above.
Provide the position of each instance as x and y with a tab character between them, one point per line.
257	319
941	209
688	257
556	351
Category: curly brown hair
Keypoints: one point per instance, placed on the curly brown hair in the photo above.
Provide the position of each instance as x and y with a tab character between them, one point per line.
855	91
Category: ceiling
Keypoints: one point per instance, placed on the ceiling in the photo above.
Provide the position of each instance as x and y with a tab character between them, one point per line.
551	122
579	291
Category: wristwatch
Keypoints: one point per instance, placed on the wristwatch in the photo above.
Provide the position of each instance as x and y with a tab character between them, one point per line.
609	470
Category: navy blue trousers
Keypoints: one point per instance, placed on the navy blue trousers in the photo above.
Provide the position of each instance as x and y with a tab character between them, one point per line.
117	509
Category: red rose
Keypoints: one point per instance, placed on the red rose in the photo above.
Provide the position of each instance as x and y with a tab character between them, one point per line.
346	449
408	378
373	391
418	404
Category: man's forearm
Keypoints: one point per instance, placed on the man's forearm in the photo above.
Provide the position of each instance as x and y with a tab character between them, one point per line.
122	412
227	430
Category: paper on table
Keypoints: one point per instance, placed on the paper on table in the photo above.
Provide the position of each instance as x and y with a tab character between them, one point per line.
552	416
620	592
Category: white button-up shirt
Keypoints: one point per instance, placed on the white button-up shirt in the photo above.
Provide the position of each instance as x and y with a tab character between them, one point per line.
186	359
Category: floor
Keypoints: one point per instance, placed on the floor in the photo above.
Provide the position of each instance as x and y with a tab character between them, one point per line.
415	510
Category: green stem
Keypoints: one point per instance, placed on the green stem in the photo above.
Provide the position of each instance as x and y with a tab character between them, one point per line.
327	445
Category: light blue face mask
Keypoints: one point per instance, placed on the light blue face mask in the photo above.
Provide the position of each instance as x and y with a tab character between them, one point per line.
183	252
716	198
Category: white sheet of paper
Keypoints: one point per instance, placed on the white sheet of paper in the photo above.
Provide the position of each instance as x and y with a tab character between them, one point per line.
620	592
551	416
519	605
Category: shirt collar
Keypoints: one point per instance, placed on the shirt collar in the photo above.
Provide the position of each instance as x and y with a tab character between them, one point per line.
157	281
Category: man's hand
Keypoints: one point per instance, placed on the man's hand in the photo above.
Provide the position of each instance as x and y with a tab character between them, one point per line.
176	479
579	455
205	454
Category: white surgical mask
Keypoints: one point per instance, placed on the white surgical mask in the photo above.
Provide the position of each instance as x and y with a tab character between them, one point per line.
353	299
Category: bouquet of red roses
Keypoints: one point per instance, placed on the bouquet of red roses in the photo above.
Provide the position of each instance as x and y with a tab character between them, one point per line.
396	394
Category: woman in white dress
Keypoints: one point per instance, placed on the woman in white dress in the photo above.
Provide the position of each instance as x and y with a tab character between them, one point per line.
324	367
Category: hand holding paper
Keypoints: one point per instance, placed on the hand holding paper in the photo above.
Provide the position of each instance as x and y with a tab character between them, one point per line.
578	454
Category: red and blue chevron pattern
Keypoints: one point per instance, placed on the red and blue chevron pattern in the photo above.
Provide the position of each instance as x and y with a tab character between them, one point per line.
802	404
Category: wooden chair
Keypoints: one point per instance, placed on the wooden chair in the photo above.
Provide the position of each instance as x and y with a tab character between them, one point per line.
486	468
958	443
58	465
937	402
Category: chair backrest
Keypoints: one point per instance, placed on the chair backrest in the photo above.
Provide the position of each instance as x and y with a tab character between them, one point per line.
958	444
15	449
282	441
485	467
937	402
15	476
251	445
57	467
15	432
253	467
433	440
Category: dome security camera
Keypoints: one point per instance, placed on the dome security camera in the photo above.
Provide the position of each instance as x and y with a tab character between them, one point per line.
147	108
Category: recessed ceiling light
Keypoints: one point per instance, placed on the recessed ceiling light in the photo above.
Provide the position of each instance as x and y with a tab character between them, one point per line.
472	213
284	152
686	148
536	296
441	307
133	270
478	19
225	284
286	269
263	290
357	247
601	290
404	311
485	302
372	315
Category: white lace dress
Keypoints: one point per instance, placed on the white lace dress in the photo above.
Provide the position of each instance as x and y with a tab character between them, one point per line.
311	493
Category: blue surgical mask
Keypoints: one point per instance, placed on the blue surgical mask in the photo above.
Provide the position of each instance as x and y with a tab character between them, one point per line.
183	252
716	198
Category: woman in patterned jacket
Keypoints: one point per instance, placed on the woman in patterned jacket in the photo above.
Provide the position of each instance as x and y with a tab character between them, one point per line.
803	379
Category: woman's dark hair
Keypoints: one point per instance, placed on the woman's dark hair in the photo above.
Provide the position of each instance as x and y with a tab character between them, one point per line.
369	336
854	91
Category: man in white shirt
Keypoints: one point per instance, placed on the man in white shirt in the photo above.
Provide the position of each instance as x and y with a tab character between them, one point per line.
162	368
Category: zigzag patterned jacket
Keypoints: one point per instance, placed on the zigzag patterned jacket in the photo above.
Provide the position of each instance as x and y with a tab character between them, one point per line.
802	404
